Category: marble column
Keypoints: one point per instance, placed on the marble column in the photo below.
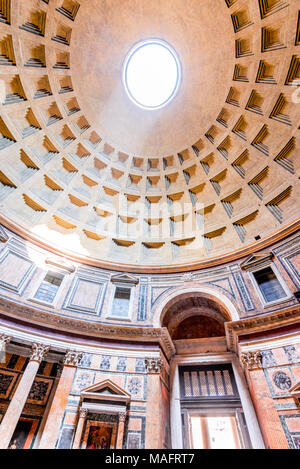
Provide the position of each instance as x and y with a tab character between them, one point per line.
120	438
56	413
154	424
15	408
264	404
78	435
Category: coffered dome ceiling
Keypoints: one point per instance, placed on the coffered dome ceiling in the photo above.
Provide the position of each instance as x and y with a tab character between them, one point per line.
211	176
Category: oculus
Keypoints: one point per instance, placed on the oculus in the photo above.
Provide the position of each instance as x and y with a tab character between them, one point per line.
151	74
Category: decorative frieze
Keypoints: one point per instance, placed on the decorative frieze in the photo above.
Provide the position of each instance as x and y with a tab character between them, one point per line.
252	360
161	335
72	358
38	352
154	365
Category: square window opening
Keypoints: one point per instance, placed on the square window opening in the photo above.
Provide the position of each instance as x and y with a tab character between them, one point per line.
121	302
269	285
49	287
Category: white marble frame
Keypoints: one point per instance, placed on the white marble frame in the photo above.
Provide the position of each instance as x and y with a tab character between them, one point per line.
247	405
280	280
36	285
132	289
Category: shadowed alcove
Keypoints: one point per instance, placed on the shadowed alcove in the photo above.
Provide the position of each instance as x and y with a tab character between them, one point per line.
198	327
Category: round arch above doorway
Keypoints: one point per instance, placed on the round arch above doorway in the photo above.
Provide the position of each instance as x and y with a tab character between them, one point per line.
211	302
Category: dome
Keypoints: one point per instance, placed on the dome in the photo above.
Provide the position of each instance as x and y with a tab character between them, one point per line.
209	177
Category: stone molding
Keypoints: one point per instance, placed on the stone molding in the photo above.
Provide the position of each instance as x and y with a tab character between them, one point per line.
252	360
154	365
38	352
260	323
72	358
91	329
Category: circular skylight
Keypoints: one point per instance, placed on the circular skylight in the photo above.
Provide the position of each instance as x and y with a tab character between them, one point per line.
151	74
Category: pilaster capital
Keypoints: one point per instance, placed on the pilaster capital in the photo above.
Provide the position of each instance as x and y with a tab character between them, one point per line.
122	416
4	339
252	360
83	413
72	358
38	352
154	365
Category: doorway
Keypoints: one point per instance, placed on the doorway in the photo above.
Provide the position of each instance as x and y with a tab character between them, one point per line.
211	410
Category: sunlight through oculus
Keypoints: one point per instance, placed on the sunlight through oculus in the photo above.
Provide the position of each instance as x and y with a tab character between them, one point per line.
152	74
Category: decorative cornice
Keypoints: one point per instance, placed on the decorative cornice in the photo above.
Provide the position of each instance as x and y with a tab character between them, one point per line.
154	365
260	323
72	358
252	360
38	352
90	329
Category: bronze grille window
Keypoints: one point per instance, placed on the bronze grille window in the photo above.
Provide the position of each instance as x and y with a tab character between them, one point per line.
207	382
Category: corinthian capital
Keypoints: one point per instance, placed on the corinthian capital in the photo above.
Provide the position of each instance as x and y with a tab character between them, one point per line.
72	358
154	365
4	339
83	413
252	359
38	352
122	416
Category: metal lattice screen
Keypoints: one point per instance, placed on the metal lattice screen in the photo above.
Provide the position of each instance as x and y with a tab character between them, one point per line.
207	382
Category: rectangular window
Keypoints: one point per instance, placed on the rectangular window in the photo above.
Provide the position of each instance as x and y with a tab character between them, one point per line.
49	287
121	302
269	285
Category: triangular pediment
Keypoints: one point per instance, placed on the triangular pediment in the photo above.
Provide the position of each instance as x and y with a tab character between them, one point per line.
60	263
255	260
3	235
124	278
105	390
